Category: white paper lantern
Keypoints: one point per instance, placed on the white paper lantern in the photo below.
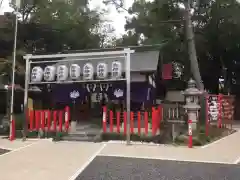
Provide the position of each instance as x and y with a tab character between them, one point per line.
75	71
62	73
88	71
102	70
116	69
49	73
37	74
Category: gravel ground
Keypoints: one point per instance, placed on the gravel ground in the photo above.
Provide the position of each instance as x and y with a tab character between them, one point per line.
118	168
2	151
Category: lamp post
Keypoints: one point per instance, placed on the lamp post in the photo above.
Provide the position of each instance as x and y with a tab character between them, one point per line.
18	2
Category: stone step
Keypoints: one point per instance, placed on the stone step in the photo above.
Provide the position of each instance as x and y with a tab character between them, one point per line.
78	138
83	136
84	133
80	127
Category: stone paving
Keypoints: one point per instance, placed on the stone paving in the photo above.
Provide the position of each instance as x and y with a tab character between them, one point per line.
111	168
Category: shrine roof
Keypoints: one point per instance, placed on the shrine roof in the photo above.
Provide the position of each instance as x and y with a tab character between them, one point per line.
143	61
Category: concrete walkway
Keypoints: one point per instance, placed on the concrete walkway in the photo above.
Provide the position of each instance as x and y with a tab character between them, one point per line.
226	151
46	160
43	159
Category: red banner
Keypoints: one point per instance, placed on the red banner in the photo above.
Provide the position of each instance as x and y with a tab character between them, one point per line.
167	71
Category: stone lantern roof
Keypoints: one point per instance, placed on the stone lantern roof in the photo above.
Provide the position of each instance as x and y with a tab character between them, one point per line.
192	89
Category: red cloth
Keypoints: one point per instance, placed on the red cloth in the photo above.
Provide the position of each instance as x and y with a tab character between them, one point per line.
167	71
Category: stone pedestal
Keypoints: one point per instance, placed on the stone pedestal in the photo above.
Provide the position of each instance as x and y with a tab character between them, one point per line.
193	116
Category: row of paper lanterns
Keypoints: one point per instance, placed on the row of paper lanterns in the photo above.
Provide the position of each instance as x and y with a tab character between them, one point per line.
74	72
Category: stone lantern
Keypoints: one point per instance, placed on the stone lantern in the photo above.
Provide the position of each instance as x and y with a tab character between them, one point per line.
192	102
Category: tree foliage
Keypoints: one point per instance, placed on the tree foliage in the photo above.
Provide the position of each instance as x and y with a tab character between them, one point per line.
216	28
49	27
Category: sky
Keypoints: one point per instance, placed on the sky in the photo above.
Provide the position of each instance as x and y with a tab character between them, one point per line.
117	22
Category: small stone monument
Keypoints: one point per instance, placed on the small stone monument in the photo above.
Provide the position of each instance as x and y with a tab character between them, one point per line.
192	102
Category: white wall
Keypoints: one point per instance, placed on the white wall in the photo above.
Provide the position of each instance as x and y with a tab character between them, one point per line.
137	77
175	96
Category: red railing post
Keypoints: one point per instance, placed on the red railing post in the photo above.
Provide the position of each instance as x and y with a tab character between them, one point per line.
12	135
37	119
111	120
60	118
153	121
160	109
125	122
55	121
190	143
104	120
207	116
131	122
31	119
139	123
48	120
67	118
146	122
43	120
118	122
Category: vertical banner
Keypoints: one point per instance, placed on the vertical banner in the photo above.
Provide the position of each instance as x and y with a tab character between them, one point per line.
207	116
167	71
220	111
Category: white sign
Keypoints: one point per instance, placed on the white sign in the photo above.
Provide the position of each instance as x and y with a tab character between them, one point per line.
102	70
62	73
37	74
75	71
213	108
116	69
88	71
49	73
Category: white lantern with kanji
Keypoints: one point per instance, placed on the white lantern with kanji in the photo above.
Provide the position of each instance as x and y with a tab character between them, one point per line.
102	70
49	73
88	71
37	74
75	71
62	73
116	69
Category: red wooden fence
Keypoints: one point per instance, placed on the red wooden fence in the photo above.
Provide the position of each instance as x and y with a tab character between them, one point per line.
111	121
47	120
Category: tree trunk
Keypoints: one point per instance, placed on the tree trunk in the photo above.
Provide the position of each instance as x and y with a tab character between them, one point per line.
191	47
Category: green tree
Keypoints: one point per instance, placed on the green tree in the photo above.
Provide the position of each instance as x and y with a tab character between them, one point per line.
216	27
49	27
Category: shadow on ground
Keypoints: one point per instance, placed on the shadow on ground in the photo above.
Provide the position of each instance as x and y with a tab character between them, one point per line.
3	151
109	168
